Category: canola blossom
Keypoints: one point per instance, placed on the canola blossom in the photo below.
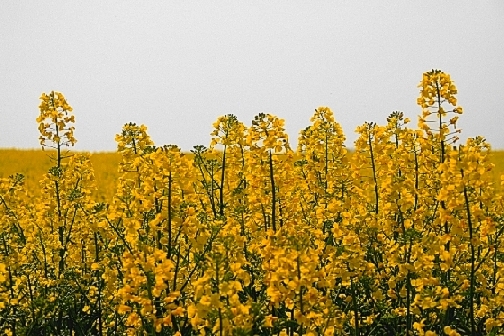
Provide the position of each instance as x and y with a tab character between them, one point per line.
249	237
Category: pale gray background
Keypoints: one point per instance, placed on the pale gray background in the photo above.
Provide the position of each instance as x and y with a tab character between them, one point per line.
178	65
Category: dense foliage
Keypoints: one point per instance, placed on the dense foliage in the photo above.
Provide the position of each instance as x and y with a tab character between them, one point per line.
246	237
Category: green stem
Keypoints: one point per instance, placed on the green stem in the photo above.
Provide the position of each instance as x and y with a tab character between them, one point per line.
273	193
473	271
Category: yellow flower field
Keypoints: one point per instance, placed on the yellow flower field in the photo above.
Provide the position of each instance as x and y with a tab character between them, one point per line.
35	163
403	236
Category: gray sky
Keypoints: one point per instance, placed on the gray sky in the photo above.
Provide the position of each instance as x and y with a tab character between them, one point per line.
176	66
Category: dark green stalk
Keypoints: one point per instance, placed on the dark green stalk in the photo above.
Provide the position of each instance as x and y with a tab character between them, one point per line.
221	188
221	330
273	194
373	166
169	216
473	272
355	308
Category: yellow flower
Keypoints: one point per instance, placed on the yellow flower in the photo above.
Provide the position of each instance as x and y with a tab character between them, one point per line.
3	271
122	309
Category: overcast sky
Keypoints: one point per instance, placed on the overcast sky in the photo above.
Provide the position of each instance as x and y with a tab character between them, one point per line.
176	66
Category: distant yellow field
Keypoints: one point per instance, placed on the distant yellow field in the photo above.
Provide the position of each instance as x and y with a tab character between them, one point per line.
34	163
498	160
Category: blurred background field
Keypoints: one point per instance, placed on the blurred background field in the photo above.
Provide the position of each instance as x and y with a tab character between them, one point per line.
498	160
34	163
